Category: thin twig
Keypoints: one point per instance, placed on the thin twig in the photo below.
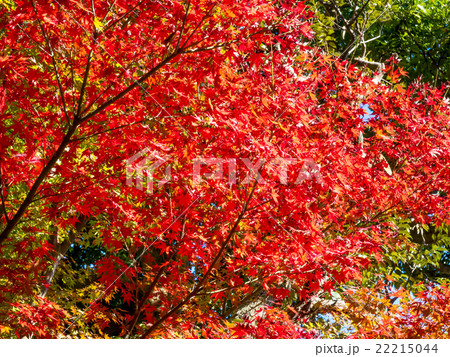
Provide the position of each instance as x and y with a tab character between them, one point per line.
5	213
55	66
183	24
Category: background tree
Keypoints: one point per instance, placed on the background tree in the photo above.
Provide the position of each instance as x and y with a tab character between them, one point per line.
370	32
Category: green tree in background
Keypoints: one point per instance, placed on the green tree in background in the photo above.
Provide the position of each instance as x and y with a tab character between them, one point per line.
370	32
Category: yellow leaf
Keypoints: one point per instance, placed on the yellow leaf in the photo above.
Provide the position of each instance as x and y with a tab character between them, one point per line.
5	329
97	23
230	13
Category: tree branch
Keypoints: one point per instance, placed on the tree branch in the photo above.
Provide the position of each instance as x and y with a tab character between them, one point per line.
40	179
83	86
152	286
198	25
106	28
5	213
200	284
182	26
130	87
358	14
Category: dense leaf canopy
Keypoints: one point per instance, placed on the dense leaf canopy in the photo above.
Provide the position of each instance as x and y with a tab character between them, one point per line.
210	169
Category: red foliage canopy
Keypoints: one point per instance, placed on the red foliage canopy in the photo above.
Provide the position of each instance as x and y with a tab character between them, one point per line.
87	86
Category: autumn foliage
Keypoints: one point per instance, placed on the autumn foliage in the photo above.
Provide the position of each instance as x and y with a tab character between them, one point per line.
85	86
